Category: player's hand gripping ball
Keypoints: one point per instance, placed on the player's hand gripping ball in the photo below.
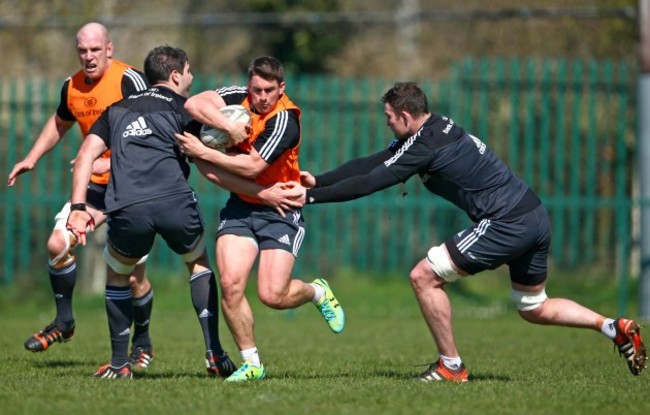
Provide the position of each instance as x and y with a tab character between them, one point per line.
217	139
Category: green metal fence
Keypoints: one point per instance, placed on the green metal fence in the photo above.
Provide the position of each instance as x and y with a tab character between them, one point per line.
567	127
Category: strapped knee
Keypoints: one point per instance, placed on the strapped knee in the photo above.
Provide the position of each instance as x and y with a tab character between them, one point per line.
115	264
527	301
66	257
441	264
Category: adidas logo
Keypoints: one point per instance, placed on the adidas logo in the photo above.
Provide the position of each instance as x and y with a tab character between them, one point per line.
143	324
126	332
285	240
205	313
137	129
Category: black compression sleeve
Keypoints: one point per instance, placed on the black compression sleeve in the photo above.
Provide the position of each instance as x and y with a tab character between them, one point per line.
352	168
353	187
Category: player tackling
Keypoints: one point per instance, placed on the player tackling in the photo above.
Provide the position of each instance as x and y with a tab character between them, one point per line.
511	226
148	195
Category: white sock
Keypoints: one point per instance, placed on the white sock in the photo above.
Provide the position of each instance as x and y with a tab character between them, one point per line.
319	292
608	328
452	363
251	356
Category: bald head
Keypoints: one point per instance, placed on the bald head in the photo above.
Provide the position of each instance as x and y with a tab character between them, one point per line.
94	49
95	31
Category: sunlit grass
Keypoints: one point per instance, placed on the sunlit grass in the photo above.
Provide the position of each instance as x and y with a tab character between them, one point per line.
515	367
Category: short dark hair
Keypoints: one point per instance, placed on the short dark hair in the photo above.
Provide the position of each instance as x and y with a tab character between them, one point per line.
408	97
162	61
268	68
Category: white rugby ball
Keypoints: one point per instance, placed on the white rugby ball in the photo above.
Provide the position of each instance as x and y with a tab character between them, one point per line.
217	139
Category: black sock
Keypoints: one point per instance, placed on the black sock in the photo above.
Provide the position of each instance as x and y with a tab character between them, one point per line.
205	298
63	282
119	309
141	315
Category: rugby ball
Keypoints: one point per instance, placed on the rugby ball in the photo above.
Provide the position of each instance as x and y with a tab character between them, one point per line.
217	139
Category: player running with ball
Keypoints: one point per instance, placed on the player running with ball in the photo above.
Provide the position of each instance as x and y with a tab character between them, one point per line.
249	229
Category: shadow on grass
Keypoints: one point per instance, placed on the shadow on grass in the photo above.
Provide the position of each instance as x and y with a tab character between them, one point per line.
293	375
489	377
276	375
173	375
54	364
288	375
393	374
71	363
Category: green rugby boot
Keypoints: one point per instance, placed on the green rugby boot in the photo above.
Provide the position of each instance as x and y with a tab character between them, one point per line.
247	372
330	308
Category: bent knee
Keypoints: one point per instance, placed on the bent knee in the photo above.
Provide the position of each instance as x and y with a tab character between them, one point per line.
528	300
423	276
533	310
56	244
272	299
419	273
139	274
231	293
532	316
139	285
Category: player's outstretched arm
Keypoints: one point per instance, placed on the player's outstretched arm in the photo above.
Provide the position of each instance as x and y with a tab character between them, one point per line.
352	187
52	132
307	179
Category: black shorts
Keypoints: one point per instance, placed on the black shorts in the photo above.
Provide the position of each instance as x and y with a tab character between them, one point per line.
95	196
522	243
177	218
263	224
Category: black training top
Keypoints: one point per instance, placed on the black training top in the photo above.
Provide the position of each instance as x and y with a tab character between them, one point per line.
146	162
451	163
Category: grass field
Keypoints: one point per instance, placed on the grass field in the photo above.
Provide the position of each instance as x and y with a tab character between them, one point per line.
515	368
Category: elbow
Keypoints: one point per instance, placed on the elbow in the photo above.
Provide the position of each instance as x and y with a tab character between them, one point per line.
208	171
214	178
256	167
85	157
250	172
192	106
252	169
